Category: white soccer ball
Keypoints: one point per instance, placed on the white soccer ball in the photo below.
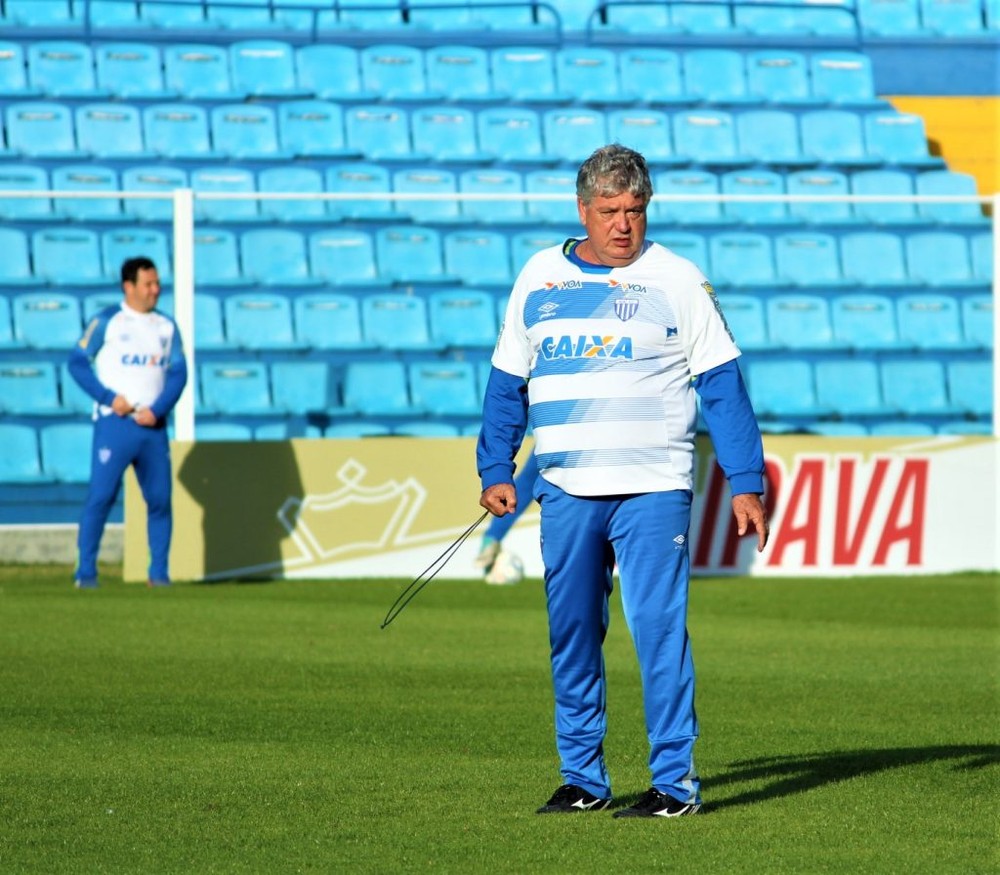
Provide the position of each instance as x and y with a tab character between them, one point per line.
508	569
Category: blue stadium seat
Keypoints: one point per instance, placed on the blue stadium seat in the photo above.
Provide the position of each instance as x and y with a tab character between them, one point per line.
377	388
223	431
915	386
884	182
301	387
280	430
246	131
264	68
131	71
230	16
977	319
7	340
446	133
29	388
792	20
179	15
981	248
965	427
970	387
72	398
20	461
427	429
365	15
445	388
47	320
209	328
783	387
849	387
152	178
772	137
703	19
808	259
216	258
223	179
563	212
344	257
110	130
779	76
396	321
15	266
632	18
68	256
570	135
119	244
874	258
742	258
949	183
409	253
940	258
235	388
462	318
526	73
708	136
679	183
950	18
524	244
687	244
296	180
590	73
259	321
351	430
836	136
865	321
394	72
930	322
442	15
329	320
837	428
478	256
198	71
330	72
426	181
645	130
380	132
41	129
754	183
275	257
110	14
92	304
717	76
899	138
354	179
819	183
177	131
14	72
890	17
800	322
460	73
86	178
652	74
746	320
512	134
492	181
843	78
575	15
40	13
312	129
65	451
62	69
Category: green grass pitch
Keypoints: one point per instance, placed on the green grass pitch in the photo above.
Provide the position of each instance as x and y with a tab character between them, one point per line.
847	726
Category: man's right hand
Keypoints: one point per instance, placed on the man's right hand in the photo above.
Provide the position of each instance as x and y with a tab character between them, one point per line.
499	499
121	405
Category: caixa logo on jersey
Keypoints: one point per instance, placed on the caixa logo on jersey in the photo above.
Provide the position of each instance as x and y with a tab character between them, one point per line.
145	361
586	346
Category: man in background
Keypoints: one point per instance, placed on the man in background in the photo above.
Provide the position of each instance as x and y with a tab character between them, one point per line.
605	343
131	362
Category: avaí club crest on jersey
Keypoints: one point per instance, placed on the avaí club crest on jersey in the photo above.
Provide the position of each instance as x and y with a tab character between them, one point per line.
626	308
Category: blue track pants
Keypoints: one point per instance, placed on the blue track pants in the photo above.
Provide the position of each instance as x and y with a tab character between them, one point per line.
118	443
646	534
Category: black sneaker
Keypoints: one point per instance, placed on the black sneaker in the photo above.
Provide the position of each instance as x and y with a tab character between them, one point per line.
569	798
653	803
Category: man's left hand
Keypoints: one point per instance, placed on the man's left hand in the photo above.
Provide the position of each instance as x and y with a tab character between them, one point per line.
144	416
749	510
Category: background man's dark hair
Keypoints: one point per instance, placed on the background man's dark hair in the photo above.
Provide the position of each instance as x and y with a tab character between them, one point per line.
132	266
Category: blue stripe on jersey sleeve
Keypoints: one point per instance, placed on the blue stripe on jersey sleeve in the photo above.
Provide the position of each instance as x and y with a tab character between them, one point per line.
726	408
505	420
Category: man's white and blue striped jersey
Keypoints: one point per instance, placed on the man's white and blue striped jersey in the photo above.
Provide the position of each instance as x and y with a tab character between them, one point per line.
610	355
137	355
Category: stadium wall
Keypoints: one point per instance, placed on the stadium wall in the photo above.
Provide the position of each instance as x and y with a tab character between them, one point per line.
386	508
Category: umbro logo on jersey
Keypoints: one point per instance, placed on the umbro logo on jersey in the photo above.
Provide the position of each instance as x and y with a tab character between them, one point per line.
680	539
586	346
548	310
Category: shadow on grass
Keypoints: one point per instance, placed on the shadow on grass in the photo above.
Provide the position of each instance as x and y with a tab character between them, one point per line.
789	775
